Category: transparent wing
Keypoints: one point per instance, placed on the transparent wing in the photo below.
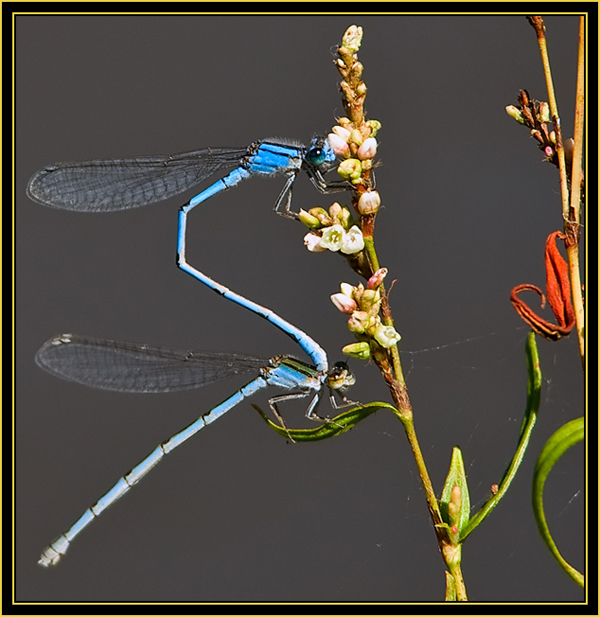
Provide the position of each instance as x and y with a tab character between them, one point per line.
135	367
119	184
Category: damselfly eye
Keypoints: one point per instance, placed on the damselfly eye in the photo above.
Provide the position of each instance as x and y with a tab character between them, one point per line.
317	155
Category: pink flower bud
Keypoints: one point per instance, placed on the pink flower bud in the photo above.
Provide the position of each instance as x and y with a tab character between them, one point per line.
377	278
338	145
343	303
368	149
335	210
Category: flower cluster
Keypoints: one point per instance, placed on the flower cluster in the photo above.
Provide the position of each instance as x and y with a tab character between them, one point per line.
334	230
535	115
363	304
357	147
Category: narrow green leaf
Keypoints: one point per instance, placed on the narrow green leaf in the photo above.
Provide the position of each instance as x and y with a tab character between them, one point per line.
455	504
344	422
566	436
534	388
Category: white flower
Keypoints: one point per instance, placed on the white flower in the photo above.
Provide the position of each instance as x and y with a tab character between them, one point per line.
352	241
333	238
386	336
313	243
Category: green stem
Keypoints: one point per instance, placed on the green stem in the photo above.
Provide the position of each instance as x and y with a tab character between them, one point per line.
432	502
450	553
386	312
461	590
371	252
404	412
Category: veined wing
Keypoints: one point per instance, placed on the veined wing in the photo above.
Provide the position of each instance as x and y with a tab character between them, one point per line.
123	183
135	367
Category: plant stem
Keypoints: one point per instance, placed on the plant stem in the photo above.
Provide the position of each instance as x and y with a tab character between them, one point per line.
354	91
575	205
570	208
399	392
538	24
385	309
461	590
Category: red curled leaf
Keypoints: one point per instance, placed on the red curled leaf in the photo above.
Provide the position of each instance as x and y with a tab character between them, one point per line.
558	291
558	288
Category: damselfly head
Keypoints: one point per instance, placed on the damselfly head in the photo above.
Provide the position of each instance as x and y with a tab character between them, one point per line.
320	153
340	377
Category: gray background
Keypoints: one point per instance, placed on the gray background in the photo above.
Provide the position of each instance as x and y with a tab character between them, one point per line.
239	514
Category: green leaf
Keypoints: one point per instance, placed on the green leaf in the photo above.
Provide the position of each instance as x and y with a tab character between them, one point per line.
566	436
455	504
344	422
534	388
